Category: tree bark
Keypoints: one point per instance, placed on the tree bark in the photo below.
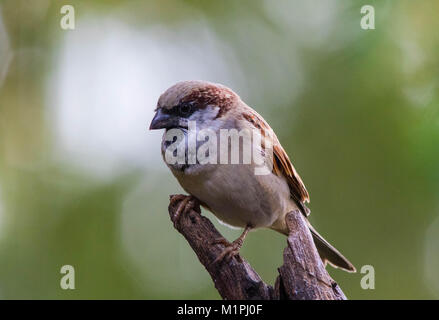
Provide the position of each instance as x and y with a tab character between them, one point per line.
301	277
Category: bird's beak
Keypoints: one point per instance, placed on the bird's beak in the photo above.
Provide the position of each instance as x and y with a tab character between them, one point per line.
161	120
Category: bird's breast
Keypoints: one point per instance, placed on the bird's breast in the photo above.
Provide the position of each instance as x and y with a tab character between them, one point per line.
236	195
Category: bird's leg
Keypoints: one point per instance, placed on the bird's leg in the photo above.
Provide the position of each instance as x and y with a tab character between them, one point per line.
232	248
187	203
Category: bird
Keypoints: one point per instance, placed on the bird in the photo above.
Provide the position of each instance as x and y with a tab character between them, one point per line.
233	192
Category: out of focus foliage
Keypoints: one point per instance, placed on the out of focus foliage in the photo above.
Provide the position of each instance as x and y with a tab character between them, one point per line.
82	181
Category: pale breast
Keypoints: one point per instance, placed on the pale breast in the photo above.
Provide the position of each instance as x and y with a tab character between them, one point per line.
236	195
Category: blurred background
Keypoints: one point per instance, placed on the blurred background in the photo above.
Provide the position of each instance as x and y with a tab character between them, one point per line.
82	181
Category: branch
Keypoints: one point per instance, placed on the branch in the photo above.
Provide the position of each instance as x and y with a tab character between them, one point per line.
302	276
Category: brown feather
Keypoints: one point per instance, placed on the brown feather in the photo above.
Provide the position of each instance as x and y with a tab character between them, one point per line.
282	165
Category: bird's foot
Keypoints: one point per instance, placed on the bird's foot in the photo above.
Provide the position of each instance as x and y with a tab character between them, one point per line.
187	203
173	199
231	249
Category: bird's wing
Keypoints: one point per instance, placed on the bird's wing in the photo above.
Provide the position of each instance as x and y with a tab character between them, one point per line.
282	165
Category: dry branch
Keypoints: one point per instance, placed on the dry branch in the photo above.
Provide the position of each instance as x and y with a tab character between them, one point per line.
302	276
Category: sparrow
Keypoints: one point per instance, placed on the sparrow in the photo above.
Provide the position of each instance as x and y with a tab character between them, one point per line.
232	191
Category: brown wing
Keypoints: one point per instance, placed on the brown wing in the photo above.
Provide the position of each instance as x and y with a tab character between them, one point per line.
282	165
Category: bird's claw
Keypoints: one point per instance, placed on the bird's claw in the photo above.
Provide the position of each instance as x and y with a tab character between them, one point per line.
187	203
231	250
176	198
222	241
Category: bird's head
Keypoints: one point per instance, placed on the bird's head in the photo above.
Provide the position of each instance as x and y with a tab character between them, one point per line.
200	101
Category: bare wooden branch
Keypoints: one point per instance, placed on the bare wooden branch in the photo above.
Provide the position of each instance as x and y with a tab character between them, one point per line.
302	276
232	279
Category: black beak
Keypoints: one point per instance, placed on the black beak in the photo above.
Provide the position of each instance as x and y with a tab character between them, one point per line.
162	120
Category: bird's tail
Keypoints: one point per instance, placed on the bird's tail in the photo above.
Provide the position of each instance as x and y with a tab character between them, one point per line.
327	252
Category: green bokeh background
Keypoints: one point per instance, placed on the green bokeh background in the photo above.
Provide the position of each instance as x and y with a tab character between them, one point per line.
82	182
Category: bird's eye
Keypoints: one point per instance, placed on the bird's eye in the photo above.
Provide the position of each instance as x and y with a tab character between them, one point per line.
185	109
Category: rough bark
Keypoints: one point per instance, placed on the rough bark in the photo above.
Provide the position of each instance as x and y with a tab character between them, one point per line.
301	277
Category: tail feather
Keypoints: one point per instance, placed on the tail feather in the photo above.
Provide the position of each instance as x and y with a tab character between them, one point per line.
329	254
326	251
